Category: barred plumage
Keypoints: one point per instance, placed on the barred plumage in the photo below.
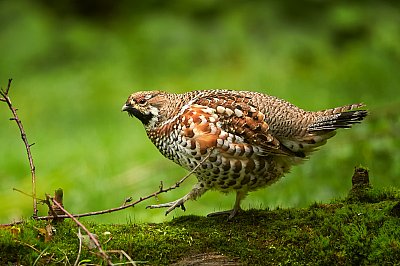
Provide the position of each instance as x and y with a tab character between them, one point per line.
251	139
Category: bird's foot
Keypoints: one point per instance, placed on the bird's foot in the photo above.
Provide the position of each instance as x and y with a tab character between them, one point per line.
232	213
170	205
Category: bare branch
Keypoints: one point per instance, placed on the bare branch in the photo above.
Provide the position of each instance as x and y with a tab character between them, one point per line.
22	192
8	86
125	206
7	99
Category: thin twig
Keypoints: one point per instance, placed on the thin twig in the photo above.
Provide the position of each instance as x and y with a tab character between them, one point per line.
124	206
11	224
26	244
152	195
126	256
7	99
22	192
40	255
80	247
90	235
8	86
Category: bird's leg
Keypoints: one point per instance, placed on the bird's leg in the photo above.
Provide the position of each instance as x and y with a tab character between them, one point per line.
195	193
240	195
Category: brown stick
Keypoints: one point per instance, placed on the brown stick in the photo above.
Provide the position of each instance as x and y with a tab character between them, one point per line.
90	235
124	206
6	98
152	195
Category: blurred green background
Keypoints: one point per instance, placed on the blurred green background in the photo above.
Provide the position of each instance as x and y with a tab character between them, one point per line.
74	63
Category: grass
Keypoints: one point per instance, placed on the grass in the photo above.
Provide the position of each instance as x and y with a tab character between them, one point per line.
342	232
73	71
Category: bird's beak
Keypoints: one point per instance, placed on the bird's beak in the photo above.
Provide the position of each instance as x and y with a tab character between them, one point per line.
126	107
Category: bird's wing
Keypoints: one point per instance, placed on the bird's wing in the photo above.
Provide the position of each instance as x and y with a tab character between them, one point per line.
232	116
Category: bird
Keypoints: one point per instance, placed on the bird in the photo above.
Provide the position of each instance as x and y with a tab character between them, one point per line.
234	141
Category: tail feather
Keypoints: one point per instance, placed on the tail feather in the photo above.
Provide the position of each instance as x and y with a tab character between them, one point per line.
340	117
324	127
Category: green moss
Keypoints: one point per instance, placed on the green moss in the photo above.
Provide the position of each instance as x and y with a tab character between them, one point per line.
341	233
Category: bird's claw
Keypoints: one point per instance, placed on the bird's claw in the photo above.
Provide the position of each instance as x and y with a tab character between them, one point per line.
170	205
231	213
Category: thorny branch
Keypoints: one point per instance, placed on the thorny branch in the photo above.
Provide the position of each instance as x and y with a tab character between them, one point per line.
6	99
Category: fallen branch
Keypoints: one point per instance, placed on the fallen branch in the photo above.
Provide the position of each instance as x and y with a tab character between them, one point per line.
90	235
132	204
6	99
124	206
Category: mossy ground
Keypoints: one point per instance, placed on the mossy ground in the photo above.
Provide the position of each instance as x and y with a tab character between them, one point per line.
343	232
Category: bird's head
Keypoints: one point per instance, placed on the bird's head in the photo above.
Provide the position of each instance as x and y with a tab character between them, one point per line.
147	106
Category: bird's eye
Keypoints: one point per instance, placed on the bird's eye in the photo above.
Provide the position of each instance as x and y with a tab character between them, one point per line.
142	101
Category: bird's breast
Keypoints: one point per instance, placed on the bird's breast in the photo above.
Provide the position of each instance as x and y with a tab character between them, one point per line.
227	161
